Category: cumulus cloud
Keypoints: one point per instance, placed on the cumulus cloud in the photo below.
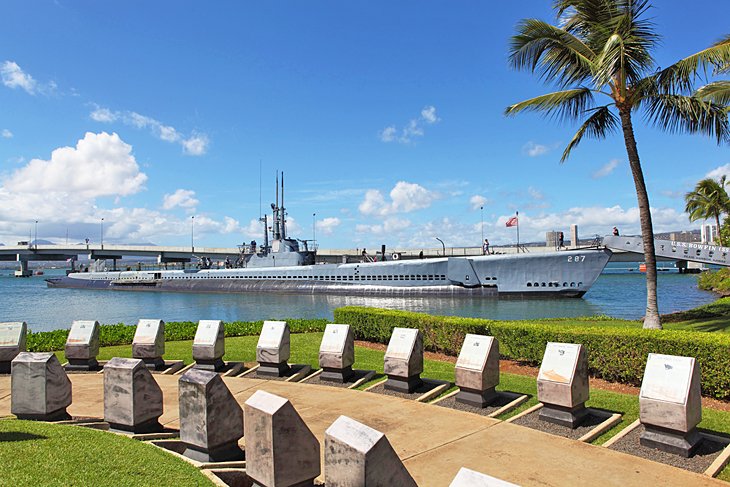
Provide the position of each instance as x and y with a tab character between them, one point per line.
412	130
63	193
404	198
477	201
14	77
182	198
606	169
196	144
7	134
719	172
534	150
327	225
100	165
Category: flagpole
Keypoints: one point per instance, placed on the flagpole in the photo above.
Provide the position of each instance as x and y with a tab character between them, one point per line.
517	215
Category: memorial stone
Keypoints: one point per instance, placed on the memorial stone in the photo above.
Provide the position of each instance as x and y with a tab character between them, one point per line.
337	353
12	342
211	420
357	455
562	384
209	345
82	345
670	404
273	349
281	451
39	388
470	478
132	398
403	361
477	370
149	343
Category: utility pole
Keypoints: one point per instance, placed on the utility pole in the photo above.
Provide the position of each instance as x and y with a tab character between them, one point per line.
101	234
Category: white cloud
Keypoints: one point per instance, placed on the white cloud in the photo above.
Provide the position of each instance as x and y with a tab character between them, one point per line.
535	193
14	77
103	115
534	150
428	114
7	134
183	198
100	165
412	130
195	145
404	198
393	227
327	225
719	172
388	134
477	201
606	169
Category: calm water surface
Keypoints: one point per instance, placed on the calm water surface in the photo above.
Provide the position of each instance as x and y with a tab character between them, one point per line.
621	295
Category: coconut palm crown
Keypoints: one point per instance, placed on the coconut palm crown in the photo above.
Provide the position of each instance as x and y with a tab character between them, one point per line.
708	200
602	49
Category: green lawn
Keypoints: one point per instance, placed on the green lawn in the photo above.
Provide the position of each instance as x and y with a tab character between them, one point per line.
63	455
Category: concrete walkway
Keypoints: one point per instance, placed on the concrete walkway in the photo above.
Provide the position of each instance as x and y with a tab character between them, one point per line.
433	442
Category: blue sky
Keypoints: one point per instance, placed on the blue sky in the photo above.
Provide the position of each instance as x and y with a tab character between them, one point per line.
386	118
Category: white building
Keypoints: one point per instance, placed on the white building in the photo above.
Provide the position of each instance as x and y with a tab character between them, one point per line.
708	233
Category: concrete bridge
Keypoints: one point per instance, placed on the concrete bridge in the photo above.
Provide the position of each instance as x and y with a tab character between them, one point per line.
625	249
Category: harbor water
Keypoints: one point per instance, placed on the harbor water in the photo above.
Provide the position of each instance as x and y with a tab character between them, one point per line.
620	294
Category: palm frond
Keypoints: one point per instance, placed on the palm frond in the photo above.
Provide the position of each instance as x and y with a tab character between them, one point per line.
680	76
709	199
554	53
564	105
678	113
601	123
717	92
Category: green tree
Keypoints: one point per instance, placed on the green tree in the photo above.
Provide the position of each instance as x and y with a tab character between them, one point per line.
708	200
603	49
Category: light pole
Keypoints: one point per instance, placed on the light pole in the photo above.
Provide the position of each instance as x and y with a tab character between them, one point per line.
314	229
101	233
192	234
36	234
442	245
481	209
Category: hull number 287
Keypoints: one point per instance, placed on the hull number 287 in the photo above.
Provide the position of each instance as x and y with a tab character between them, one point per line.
576	258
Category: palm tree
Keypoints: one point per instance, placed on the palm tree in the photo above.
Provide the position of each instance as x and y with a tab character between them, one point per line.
708	200
602	48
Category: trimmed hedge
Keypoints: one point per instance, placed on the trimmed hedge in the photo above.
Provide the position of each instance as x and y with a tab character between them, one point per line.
121	334
616	354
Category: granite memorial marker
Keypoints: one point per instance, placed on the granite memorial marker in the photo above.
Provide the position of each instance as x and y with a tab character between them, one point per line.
357	455
670	404
12	342
337	353
471	478
403	361
211	420
280	448
273	349
477	370
39	387
132	398
149	343
82	346
562	384
209	345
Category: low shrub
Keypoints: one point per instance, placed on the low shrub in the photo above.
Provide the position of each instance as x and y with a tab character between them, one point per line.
616	354
121	334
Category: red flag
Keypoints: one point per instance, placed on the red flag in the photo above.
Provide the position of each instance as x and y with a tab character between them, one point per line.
512	222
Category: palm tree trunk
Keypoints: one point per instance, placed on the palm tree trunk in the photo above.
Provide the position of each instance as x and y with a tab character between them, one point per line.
651	318
719	235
